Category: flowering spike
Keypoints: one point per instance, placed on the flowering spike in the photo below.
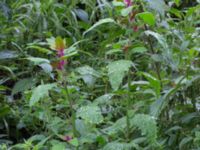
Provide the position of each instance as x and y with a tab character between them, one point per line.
60	44
128	3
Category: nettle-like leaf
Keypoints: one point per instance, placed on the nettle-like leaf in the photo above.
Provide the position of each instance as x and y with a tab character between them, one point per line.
147	125
90	113
121	146
116	72
40	92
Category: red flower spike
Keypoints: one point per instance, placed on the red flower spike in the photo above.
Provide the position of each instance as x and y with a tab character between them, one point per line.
128	3
60	46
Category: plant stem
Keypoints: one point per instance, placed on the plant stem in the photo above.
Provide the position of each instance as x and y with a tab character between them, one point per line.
73	117
73	113
128	101
157	66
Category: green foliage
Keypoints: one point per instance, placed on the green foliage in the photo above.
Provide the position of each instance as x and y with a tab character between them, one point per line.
116	72
91	114
40	92
99	74
147	125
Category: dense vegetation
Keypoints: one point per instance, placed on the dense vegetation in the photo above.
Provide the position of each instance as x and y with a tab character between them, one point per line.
99	74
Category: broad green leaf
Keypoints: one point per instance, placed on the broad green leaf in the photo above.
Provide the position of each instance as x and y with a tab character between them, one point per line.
100	22
147	125
88	74
87	70
116	72
126	11
90	113
40	92
147	18
23	85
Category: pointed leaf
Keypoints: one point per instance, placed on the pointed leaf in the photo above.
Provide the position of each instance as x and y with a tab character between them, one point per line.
116	72
40	92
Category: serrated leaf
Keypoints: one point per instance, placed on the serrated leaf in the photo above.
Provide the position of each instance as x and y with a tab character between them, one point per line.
147	125
90	113
39	92
116	72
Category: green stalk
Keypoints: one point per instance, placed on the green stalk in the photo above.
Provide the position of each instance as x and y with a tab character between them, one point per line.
128	101
73	118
